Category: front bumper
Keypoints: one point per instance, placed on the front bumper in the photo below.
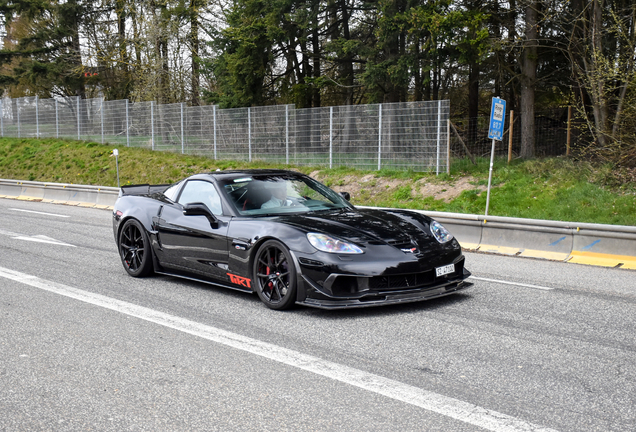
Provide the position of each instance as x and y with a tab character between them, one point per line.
382	298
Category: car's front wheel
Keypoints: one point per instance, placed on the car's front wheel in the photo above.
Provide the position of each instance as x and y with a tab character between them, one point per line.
275	275
134	249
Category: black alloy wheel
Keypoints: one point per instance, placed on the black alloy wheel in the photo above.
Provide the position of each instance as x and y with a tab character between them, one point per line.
275	275
134	249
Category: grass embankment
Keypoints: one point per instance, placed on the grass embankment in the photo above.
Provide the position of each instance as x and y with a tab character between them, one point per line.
553	189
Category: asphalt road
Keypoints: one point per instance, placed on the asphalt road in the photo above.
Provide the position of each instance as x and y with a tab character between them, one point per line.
534	345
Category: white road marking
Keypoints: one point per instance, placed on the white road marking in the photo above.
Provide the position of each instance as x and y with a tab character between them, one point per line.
9	233
512	283
36	238
42	239
37	212
447	406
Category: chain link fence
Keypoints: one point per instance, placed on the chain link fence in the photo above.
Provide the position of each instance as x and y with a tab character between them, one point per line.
558	132
415	135
393	136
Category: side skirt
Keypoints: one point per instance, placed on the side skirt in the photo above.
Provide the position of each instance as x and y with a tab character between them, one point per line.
177	275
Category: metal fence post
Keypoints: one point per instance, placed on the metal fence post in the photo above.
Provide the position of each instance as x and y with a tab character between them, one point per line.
182	137
37	117
249	132
127	126
17	106
448	147
101	109
380	137
510	135
330	137
57	122
287	134
569	133
439	132
214	127
152	124
79	130
2	117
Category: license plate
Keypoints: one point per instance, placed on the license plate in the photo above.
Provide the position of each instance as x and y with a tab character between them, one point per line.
441	271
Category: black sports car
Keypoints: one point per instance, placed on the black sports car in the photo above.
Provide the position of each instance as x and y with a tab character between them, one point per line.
286	237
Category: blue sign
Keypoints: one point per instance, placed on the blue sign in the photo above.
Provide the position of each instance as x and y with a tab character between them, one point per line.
497	117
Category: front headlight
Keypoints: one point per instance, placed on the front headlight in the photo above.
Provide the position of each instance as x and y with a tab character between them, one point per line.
440	233
326	243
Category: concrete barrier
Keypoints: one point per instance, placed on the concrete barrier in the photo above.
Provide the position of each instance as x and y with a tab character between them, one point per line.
582	243
12	190
526	240
63	193
609	248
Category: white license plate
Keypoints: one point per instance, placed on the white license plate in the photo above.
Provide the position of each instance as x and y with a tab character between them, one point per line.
441	271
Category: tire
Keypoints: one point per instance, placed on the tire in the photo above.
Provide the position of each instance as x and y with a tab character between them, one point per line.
134	249
275	275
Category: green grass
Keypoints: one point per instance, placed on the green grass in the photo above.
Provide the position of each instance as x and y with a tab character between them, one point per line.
553	189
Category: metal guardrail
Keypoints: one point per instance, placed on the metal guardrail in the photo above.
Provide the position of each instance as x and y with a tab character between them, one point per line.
583	243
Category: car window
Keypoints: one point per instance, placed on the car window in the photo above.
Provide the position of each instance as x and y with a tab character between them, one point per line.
171	192
277	194
201	191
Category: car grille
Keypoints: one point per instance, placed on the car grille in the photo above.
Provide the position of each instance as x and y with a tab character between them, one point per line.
400	241
412	280
403	244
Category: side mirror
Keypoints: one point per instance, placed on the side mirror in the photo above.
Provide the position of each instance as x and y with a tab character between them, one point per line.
200	209
346	195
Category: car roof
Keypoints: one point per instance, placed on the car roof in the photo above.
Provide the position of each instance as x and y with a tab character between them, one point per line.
232	174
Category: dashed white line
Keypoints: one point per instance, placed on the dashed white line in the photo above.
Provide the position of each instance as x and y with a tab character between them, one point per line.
447	406
37	212
512	283
43	239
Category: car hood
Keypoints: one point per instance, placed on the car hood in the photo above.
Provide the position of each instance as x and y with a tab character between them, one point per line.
367	227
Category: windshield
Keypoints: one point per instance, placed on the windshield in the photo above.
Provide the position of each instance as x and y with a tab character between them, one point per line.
280	194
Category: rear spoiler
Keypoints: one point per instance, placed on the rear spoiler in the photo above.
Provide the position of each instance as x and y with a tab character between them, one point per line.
143	189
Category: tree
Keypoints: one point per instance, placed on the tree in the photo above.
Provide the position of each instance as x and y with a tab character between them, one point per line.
528	79
473	45
195	45
603	56
245	55
48	56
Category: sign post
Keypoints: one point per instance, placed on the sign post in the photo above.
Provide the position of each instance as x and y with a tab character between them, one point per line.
116	154
495	132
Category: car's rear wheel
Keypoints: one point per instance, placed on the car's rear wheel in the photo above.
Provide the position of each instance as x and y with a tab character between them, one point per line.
275	275
134	249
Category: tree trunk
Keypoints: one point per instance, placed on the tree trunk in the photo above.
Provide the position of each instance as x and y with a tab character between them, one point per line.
77	51
316	53
194	51
124	59
511	60
473	101
528	81
597	81
417	71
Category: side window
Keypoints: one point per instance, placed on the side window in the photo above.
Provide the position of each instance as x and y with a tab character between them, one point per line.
171	192
201	191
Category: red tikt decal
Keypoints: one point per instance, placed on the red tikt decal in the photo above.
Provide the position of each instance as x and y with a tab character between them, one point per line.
239	280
